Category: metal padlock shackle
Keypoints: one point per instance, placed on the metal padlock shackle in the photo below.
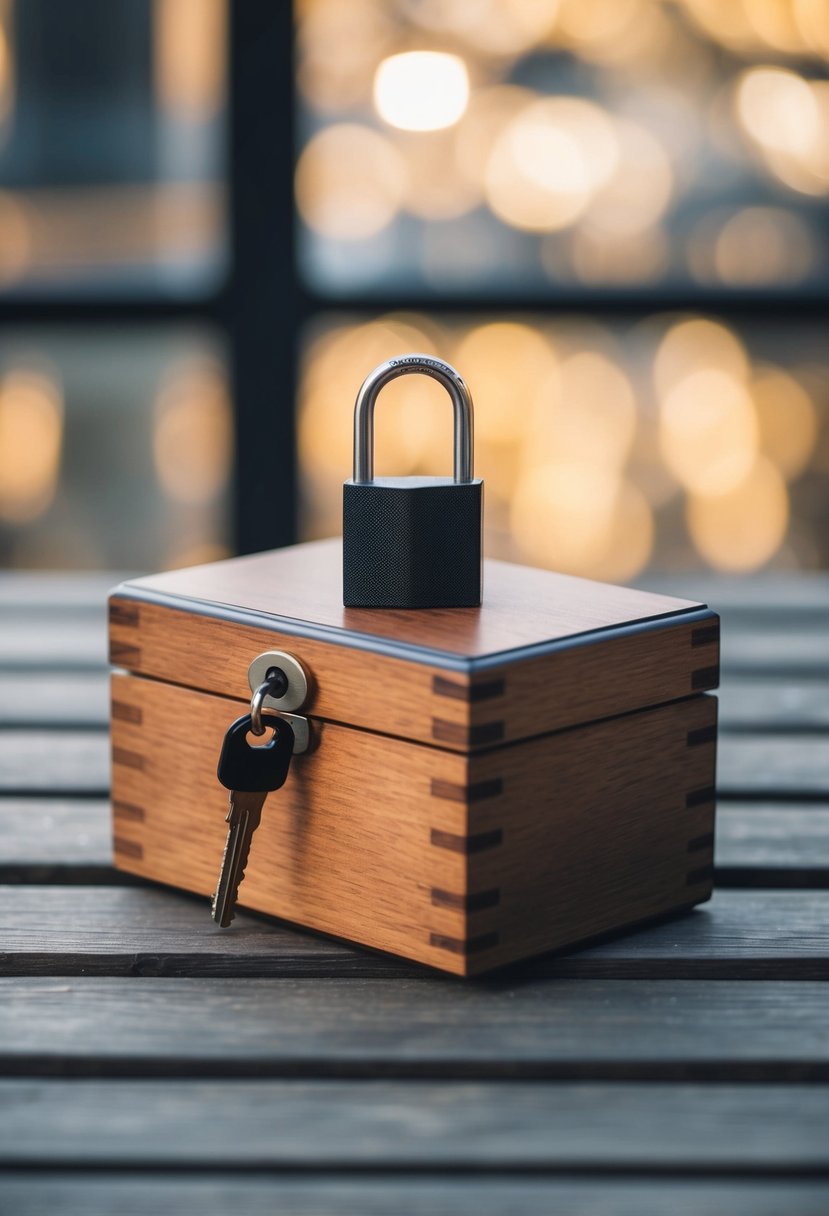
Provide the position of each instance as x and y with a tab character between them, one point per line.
425	365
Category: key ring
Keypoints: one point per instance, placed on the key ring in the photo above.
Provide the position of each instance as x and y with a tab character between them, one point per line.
257	701
275	684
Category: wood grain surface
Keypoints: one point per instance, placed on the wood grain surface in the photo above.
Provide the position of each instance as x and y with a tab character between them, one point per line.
522	606
413	695
208	1193
746	1136
451	1127
668	1030
125	931
771	766
588	829
59	699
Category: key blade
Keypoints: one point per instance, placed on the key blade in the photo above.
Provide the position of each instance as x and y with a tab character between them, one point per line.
244	813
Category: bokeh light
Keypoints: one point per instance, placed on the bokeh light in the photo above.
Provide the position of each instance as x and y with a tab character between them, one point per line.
6	69
496	27
193	432
350	182
580	519
638	191
787	118
742	528
438	189
596	443
190	37
708	431
15	238
787	419
549	162
630	143
413	429
764	246
639	146
340	43
587	415
421	90
510	364
31	435
693	344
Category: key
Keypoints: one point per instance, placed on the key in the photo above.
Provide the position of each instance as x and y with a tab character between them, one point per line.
250	773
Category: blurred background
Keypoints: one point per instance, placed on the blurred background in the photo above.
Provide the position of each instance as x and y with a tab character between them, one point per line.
216	217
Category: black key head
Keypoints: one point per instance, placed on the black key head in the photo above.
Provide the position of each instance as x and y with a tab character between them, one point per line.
254	769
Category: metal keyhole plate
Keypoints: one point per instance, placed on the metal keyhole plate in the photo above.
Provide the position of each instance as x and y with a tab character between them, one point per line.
295	694
293	698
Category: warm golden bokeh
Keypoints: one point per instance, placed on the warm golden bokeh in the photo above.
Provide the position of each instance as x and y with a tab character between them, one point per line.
764	246
580	519
708	431
189	60
421	90
742	528
618	143
786	417
413	426
193	432
697	343
350	182
15	238
636	194
579	454
340	43
31	437
509	363
787	118
438	189
549	163
494	27
586	416
6	65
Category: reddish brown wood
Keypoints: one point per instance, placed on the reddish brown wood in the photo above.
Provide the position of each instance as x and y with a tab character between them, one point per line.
590	829
411	826
595	650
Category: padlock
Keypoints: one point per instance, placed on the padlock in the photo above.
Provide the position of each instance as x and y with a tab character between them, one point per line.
412	542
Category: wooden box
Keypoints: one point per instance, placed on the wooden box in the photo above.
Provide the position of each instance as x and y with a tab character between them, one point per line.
484	784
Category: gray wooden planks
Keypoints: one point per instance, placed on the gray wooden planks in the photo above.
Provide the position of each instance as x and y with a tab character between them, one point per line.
116	931
55	593
53	839
63	642
784	704
216	1194
447	1126
54	762
772	844
790	648
55	698
755	596
769	766
755	1030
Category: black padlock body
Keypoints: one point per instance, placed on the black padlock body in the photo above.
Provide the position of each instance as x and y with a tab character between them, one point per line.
412	542
260	768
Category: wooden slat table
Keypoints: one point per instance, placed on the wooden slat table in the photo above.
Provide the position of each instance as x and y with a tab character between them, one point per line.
152	1063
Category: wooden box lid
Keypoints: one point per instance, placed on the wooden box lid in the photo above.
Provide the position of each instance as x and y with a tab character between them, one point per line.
545	651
